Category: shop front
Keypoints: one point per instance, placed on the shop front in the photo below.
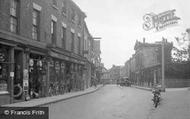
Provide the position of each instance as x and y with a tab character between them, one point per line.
5	65
37	75
29	74
57	82
65	74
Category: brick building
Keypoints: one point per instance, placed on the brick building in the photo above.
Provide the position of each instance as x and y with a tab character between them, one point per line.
114	74
41	48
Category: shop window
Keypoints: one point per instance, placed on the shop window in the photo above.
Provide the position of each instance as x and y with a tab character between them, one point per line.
73	41
64	9
35	24
14	11
3	69
54	2
79	20
53	32
79	45
63	37
73	15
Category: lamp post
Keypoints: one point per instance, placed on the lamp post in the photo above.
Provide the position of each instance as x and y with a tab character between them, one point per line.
163	65
96	57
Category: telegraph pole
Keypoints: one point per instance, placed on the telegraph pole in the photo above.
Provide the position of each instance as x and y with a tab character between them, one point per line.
163	65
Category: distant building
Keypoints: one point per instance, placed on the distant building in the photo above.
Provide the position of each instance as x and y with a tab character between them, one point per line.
123	72
114	74
144	68
105	79
97	60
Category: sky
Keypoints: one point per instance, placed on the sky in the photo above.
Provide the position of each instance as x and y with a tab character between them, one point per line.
119	24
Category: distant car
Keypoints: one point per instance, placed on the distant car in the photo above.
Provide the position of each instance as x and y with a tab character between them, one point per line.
124	81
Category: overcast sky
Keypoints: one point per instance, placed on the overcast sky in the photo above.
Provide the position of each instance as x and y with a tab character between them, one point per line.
119	23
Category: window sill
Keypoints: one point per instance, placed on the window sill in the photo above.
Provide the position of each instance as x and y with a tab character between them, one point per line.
4	92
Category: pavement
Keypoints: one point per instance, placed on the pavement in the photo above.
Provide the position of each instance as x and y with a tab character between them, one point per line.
53	99
143	88
167	89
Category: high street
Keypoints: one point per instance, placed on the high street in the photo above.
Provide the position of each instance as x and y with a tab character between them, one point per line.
110	102
116	102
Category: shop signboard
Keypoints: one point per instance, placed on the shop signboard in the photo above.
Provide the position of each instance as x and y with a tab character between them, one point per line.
3	86
57	66
25	85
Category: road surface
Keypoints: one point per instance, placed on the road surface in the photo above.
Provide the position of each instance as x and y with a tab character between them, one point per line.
110	102
116	102
175	105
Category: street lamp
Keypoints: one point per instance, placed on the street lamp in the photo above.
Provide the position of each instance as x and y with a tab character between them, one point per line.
163	65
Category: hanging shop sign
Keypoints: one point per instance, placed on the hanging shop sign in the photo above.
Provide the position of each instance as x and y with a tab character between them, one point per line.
44	66
25	81
31	62
11	74
2	57
25	85
39	63
160	21
51	63
57	66
62	65
26	77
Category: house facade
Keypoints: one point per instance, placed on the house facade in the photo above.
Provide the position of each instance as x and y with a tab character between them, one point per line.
41	49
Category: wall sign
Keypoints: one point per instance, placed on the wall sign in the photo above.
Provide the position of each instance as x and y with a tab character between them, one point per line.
160	21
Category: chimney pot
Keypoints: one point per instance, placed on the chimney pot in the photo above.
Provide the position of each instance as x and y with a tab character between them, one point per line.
144	40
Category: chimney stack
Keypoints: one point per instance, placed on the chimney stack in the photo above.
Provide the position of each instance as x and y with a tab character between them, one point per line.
144	40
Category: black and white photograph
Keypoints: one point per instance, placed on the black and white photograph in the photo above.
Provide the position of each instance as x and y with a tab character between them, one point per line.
94	59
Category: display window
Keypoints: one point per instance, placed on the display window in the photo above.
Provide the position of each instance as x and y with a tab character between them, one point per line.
4	67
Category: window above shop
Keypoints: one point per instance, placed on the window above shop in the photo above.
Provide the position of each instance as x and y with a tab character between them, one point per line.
55	4
73	15
14	16
35	24
64	8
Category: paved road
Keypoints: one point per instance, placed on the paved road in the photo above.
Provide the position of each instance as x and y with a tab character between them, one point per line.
110	102
175	105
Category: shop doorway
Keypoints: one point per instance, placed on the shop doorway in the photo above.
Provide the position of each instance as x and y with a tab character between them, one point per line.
35	76
18	78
